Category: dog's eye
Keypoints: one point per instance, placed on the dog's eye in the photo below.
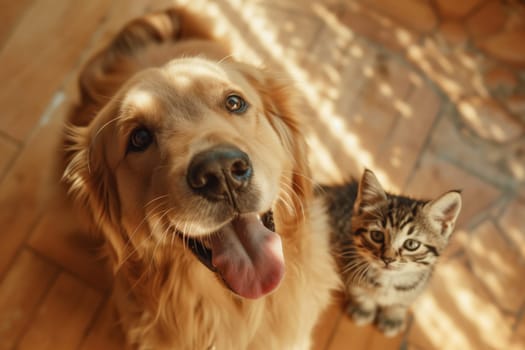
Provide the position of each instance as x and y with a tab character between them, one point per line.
139	140
236	104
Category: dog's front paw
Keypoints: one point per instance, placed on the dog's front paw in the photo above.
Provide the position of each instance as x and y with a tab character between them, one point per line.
390	326
360	315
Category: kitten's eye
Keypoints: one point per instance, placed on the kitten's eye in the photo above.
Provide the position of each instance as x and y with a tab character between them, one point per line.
411	244
139	140
377	236
236	104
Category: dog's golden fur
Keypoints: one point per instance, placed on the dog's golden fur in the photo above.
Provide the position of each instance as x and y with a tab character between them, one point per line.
166	298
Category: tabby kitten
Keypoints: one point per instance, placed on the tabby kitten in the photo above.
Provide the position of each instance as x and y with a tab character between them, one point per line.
386	246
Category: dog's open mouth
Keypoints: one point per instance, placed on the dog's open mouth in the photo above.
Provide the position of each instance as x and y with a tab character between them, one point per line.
246	253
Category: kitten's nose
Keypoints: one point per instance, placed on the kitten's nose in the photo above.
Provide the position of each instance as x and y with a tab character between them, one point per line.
387	260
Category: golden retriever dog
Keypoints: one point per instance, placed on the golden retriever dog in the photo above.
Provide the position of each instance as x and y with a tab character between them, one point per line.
193	169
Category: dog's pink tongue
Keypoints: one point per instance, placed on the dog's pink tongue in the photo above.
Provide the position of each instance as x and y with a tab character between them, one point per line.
248	256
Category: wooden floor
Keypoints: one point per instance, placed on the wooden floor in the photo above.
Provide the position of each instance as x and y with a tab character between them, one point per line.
394	87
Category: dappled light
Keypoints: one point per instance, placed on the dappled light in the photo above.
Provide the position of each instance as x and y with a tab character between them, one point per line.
378	106
141	99
440	326
455	304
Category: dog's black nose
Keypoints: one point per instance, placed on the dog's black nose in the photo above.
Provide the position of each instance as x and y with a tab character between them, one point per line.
220	172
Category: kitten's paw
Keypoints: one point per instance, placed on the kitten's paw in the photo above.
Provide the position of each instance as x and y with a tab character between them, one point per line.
390	327
360	315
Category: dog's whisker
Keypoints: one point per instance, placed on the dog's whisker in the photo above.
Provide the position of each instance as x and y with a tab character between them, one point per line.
291	192
286	199
189	225
158	221
148	217
224	59
161	236
162	166
173	233
193	220
106	124
185	235
155	199
308	178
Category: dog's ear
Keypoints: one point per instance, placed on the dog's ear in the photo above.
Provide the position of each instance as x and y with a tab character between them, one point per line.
281	105
90	181
106	71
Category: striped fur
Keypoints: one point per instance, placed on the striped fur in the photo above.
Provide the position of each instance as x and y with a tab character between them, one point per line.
387	246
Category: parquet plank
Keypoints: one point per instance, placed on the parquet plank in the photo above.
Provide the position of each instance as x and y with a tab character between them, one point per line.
7	152
63	317
401	150
60	237
105	333
379	342
350	336
11	13
23	189
20	292
42	50
327	326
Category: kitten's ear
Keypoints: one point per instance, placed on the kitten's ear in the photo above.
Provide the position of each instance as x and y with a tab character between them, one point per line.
443	212
369	193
